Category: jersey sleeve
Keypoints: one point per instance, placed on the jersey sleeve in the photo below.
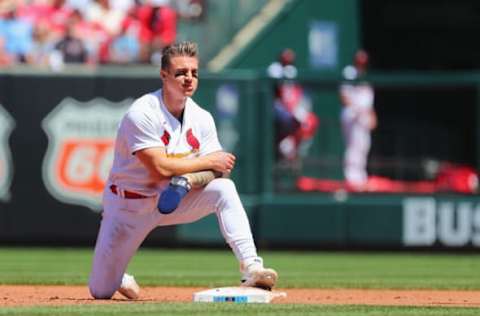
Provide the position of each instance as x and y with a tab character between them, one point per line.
140	131
345	92
370	96
209	137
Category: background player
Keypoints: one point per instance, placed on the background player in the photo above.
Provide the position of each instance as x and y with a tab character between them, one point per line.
295	121
166	134
358	119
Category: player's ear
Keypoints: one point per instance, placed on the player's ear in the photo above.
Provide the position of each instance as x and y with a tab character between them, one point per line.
163	74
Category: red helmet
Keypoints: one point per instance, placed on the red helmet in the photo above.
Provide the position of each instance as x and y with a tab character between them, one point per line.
287	57
361	59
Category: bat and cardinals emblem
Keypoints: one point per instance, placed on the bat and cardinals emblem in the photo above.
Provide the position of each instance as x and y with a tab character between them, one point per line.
192	140
165	138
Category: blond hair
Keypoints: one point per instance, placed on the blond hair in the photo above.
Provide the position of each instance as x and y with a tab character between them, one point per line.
186	48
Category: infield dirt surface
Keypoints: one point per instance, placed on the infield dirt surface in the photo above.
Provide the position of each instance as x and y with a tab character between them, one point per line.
35	295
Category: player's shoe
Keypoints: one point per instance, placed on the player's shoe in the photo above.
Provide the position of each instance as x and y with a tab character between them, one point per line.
255	275
129	287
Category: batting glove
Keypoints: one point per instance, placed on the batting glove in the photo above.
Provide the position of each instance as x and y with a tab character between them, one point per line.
173	194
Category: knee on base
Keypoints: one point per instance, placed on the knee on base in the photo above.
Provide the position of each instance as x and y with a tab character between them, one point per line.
99	293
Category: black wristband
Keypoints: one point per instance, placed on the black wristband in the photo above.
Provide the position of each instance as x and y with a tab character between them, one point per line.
181	181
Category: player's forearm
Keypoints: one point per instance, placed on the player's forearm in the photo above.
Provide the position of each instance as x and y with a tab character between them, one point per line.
167	167
201	178
160	166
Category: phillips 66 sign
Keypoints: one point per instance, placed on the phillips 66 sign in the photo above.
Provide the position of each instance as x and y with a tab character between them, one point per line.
80	149
6	168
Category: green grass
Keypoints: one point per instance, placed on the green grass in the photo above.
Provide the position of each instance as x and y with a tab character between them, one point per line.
219	268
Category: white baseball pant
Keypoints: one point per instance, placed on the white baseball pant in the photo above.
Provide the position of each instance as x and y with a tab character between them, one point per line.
127	222
357	145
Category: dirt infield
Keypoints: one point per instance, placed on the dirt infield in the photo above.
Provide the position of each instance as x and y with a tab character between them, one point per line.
24	295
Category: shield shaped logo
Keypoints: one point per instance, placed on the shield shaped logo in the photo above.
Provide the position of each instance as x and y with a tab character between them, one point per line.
81	140
7	124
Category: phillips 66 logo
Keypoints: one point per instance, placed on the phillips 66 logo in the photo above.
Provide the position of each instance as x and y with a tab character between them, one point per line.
6	169
80	149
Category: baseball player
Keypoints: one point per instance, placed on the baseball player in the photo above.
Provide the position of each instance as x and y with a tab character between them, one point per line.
295	122
358	119
167	143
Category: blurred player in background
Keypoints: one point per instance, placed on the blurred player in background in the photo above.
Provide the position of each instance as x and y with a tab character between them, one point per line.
168	143
295	123
358	119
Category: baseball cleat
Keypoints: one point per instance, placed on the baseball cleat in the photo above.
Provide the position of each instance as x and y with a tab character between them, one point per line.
129	287
255	275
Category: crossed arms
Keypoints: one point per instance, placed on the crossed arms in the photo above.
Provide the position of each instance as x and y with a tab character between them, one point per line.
199	171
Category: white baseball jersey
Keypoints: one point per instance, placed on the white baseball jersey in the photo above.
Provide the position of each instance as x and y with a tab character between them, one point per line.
148	123
126	222
360	96
359	104
356	121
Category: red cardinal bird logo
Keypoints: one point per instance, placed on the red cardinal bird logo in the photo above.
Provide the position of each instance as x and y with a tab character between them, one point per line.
165	138
192	140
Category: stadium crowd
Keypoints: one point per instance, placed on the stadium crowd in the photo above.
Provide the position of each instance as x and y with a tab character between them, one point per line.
55	32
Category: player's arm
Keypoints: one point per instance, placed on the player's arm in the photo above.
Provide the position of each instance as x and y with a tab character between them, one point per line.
201	178
373	119
161	166
179	187
184	173
343	95
344	99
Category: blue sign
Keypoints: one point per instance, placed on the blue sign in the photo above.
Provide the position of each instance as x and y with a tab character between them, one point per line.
323	44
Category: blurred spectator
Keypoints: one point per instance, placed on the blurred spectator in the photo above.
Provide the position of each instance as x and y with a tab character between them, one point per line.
163	24
122	5
54	12
80	5
59	15
71	47
295	123
17	33
158	22
358	119
122	49
92	34
101	13
6	59
43	44
111	31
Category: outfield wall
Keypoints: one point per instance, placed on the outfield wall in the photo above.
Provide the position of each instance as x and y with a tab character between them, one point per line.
57	133
362	221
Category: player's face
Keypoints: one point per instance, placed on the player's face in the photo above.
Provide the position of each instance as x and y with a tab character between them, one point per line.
181	78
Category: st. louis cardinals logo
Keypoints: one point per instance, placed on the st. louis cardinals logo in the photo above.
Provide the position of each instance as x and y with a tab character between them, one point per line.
80	149
192	142
6	167
165	138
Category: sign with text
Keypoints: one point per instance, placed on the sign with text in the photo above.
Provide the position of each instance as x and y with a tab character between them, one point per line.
428	221
81	140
